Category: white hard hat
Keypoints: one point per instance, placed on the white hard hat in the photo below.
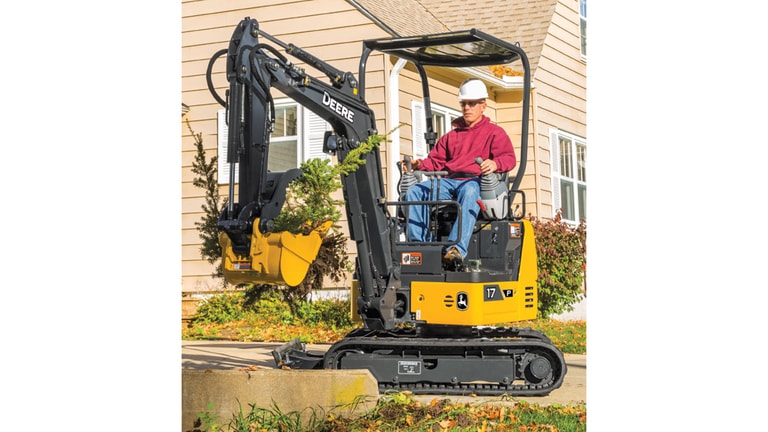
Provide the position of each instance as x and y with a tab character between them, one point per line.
472	89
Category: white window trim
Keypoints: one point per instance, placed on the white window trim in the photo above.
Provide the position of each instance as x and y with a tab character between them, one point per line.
419	125
222	132
312	135
554	143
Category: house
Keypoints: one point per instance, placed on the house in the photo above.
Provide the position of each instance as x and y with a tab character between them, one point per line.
552	32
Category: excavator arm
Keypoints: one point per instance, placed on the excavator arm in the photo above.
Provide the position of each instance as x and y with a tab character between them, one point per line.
253	252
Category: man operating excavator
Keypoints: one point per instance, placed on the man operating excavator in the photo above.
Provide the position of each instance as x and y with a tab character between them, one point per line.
473	136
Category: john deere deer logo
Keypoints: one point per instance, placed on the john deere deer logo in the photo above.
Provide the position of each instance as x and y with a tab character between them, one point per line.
462	301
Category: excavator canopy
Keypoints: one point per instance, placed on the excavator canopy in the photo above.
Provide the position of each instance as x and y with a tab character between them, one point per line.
468	48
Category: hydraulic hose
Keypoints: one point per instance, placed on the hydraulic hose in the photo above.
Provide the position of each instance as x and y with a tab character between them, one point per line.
208	79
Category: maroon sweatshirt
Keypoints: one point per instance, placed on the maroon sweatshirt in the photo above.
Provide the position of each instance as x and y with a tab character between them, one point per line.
456	151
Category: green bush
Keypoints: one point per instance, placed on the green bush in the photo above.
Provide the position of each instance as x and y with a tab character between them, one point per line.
332	312
562	260
268	304
220	308
266	301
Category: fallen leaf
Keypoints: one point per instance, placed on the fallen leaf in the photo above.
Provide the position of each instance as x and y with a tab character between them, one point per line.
447	424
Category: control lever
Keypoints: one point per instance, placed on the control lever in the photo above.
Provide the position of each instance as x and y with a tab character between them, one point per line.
493	195
408	178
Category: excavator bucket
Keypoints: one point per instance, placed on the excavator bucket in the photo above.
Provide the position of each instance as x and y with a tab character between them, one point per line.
279	258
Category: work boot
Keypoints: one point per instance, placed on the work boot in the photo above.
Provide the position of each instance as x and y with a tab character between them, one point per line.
452	260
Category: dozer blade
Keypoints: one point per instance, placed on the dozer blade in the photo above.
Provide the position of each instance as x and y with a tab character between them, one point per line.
294	355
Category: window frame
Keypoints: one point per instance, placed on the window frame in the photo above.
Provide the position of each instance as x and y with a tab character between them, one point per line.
284	104
576	178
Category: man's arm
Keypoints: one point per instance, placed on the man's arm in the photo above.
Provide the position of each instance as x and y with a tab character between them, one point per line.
436	159
502	152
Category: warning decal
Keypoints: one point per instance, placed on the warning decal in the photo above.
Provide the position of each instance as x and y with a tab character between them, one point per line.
411	259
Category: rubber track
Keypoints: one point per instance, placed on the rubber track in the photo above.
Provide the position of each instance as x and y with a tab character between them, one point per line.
486	339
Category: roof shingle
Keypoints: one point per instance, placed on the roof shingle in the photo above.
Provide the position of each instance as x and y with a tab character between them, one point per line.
517	21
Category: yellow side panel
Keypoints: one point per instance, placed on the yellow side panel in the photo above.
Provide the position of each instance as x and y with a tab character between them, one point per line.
481	303
473	304
277	258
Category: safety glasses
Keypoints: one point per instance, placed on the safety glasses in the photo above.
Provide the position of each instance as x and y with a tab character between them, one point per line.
470	103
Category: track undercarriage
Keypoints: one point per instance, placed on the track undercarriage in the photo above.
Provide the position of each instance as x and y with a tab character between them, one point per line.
490	361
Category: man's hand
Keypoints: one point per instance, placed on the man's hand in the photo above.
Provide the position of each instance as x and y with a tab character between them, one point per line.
488	166
415	163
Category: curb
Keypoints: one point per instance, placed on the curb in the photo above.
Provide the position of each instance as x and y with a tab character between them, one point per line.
310	393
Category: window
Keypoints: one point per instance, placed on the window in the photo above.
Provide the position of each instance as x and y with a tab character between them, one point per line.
569	175
283	143
441	122
583	27
298	137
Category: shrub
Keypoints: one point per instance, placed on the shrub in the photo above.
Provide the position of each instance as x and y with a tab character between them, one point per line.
562	258
206	179
220	308
266	303
334	313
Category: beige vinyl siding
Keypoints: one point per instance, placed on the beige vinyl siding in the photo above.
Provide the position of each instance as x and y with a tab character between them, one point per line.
330	29
560	93
510	111
561	76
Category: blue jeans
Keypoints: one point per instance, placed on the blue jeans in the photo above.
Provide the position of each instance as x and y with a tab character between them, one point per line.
465	192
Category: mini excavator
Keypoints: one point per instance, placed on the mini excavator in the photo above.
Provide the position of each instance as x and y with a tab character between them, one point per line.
425	328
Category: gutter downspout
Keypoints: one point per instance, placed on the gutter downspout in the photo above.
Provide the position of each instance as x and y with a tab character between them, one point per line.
394	140
534	143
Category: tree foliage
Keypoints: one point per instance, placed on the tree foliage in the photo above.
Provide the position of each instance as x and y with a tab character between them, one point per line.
309	201
206	173
309	204
562	259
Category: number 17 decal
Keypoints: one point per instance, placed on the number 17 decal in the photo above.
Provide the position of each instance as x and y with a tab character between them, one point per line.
492	293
